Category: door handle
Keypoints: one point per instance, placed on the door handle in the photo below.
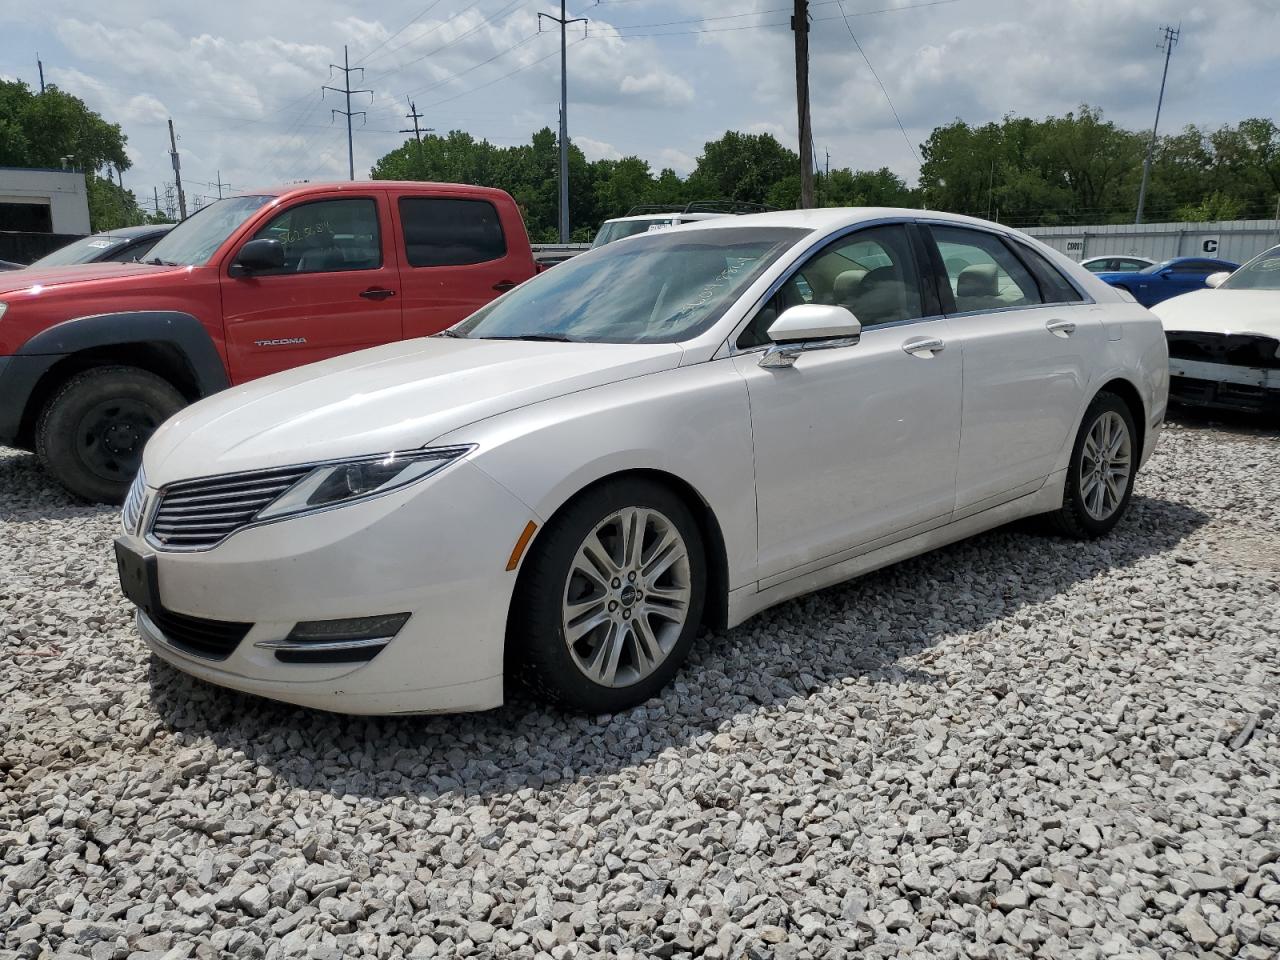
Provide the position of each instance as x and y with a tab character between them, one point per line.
1061	328
923	347
502	286
377	293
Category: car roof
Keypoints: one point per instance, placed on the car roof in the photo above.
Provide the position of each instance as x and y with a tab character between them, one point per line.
668	215
132	233
285	191
834	218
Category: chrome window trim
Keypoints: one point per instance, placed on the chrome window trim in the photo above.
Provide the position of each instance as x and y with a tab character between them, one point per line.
461	451
998	310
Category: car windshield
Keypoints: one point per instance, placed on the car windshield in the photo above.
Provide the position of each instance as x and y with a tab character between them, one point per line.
1157	267
628	228
84	250
659	288
192	242
1260	273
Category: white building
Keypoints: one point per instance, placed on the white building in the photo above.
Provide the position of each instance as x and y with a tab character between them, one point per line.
43	201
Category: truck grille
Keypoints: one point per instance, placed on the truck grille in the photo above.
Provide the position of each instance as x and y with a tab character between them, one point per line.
199	514
1236	349
210	639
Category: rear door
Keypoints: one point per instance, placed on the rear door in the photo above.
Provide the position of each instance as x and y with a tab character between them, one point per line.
1029	340
338	291
456	254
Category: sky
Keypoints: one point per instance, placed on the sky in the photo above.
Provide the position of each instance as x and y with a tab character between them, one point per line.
654	78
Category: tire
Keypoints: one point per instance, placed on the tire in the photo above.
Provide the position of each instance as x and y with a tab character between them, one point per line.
1087	513
90	434
556	600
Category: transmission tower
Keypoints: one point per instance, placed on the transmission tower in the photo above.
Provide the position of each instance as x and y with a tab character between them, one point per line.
345	89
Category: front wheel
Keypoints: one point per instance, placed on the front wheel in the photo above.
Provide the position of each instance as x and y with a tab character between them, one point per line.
610	600
1104	462
90	435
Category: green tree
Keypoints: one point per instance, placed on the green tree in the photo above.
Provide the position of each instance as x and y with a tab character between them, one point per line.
741	166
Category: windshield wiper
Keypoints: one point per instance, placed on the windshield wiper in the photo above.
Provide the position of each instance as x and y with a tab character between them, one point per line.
451	333
549	337
157	262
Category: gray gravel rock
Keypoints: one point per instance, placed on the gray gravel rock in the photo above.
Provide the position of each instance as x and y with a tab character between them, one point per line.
1016	746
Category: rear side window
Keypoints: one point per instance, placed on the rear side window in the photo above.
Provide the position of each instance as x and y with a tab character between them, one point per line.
983	273
1054	287
450	232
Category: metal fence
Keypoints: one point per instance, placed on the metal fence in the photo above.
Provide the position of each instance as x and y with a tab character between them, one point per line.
1237	240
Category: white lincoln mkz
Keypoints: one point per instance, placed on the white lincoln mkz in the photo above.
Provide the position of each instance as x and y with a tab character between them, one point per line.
676	430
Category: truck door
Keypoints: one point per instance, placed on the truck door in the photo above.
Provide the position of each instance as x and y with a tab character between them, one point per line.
338	291
458	253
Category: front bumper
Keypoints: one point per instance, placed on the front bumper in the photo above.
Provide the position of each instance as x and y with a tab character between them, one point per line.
1224	386
437	550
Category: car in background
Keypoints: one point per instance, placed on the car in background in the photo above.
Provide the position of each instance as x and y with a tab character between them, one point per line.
1116	263
94	357
1224	341
111	246
675	431
1160	281
646	217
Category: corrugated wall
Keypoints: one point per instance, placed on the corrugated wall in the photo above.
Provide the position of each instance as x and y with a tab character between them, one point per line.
1236	240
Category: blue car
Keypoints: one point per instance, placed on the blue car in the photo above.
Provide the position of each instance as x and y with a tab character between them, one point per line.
1161	281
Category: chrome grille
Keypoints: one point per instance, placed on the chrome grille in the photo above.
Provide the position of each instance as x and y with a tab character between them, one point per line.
131	512
199	514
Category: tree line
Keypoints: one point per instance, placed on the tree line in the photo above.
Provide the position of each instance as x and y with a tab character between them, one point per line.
1075	169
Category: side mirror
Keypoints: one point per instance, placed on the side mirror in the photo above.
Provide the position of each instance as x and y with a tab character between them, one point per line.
810	326
1217	279
259	255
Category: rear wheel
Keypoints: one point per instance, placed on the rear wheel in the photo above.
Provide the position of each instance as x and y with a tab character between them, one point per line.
1100	477
611	599
90	435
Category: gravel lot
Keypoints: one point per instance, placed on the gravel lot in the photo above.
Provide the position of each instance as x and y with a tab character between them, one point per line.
1016	746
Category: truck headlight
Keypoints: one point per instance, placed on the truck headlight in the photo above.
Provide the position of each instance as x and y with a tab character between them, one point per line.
346	481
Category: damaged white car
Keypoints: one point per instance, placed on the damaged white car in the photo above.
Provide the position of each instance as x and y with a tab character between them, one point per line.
1224	342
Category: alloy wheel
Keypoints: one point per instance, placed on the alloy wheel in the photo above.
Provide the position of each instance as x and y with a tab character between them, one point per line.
1105	464
627	597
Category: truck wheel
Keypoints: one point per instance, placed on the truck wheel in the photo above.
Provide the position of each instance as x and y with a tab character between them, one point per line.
91	433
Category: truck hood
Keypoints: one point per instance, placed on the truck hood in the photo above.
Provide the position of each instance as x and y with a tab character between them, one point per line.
394	397
22	281
1222	311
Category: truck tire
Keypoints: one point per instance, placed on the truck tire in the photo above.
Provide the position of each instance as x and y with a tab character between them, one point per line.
91	432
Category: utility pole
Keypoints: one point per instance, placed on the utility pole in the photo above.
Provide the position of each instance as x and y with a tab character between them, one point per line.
415	116
40	67
220	184
155	196
1169	41
564	115
347	70
800	26
177	171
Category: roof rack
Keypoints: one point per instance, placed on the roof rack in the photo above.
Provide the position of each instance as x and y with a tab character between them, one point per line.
700	206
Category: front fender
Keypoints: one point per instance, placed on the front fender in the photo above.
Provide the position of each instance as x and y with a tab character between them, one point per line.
693	423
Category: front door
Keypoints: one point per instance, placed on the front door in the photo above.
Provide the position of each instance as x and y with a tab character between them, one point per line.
338	291
1029	342
856	443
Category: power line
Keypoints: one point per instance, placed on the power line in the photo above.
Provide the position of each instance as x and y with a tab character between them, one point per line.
347	70
761	13
426	33
422	13
461	73
484	21
888	99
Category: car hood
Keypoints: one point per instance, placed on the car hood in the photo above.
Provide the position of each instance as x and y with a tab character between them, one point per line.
395	397
1223	311
20	281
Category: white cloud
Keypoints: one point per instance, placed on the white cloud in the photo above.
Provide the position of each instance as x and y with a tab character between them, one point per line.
597	149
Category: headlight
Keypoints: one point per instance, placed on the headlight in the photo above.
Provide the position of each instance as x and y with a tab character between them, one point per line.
346	481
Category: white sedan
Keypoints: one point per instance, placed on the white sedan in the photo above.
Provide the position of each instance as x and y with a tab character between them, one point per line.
674	431
1224	342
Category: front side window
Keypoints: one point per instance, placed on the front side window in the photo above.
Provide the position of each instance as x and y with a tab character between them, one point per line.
326	236
983	272
1129	264
1260	273
663	287
871	272
450	232
197	238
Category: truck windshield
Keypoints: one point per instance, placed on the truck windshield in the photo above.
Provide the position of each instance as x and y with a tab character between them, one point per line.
1260	273
657	288
192	242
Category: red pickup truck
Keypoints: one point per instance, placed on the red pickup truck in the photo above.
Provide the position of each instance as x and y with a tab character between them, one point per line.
93	358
